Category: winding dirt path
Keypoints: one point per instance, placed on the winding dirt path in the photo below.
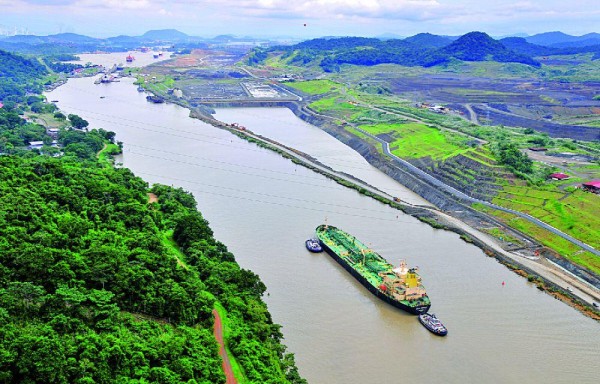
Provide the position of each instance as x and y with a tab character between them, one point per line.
218	331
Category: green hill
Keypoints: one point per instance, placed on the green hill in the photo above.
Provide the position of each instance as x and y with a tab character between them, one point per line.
94	288
19	75
420	50
427	40
478	46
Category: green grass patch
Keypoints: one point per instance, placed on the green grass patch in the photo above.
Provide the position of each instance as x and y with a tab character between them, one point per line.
565	248
502	235
414	140
235	366
169	242
106	154
160	85
576	214
316	87
339	107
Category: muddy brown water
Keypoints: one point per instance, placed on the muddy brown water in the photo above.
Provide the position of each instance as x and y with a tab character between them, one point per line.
263	207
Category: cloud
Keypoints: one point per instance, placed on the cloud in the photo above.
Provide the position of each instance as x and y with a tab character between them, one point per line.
332	16
115	4
323	9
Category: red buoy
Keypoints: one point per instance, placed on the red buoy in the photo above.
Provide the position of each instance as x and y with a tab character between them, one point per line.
383	287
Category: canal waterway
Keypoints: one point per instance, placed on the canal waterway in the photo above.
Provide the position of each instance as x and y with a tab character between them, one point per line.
262	206
281	125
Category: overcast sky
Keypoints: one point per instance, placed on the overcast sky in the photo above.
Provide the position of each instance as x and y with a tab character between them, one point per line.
300	18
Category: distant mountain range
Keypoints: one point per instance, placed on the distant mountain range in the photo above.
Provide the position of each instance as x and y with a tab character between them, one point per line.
562	40
74	43
420	50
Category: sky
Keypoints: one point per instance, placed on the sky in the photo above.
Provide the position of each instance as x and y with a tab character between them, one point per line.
299	18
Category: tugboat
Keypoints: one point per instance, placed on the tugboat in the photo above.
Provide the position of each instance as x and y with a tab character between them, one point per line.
432	324
313	245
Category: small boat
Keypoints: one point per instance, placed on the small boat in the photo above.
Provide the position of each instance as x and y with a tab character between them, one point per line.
140	89
313	245
155	99
432	323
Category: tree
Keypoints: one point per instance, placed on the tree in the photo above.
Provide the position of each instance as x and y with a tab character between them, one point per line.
511	156
78	122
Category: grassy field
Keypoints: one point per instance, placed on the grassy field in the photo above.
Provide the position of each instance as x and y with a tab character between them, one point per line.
576	213
339	107
160	85
315	87
565	248
414	140
105	154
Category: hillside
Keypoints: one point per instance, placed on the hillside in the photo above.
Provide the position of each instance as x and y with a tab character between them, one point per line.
562	40
478	46
164	34
103	279
19	75
427	40
420	50
522	46
91	276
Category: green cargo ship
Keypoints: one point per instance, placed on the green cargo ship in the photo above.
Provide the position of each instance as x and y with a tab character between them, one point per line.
401	286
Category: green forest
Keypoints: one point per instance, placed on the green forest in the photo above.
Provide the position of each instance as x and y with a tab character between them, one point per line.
330	53
100	284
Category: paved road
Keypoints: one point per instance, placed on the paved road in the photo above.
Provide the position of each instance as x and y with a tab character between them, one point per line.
466	198
472	114
218	331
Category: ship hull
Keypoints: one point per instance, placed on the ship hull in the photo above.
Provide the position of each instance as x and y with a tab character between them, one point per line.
374	290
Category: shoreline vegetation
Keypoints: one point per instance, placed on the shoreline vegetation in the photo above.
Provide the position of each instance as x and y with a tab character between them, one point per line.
106	279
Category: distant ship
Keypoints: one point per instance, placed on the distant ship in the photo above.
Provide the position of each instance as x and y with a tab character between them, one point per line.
129	58
106	78
400	287
155	99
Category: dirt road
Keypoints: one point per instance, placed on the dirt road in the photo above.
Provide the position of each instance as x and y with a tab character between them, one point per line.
218	331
